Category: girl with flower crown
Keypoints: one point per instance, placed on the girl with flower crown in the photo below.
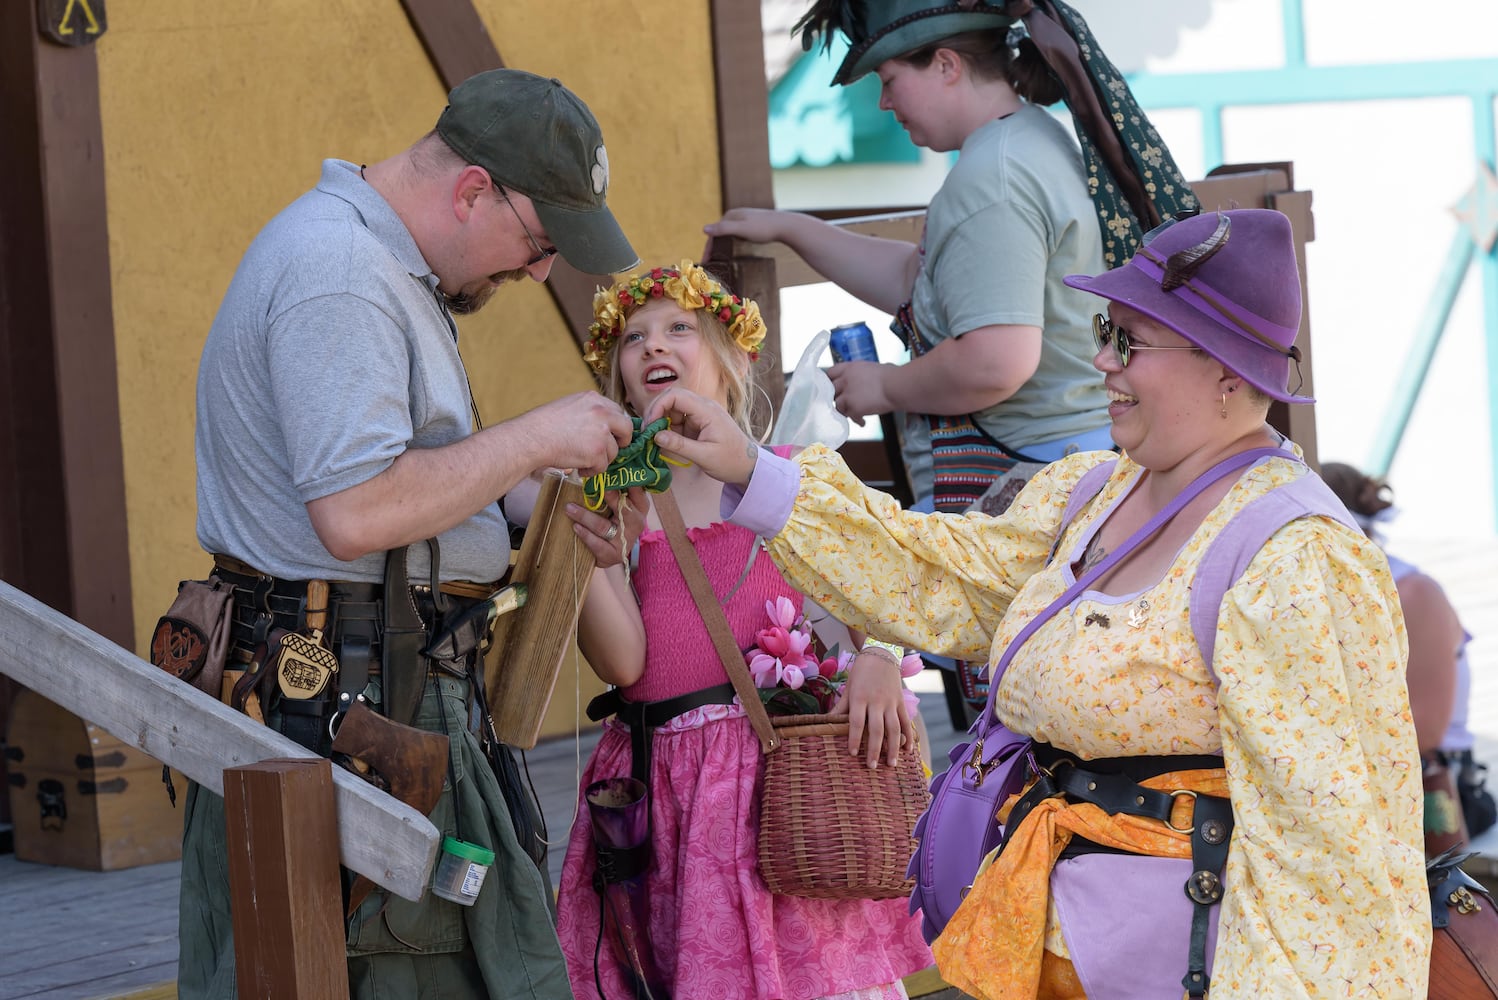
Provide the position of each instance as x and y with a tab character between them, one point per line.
713	927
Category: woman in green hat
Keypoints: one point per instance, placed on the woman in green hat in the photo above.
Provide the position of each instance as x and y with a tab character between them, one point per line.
1000	348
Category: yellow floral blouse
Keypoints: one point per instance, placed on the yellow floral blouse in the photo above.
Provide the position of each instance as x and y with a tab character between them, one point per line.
1326	893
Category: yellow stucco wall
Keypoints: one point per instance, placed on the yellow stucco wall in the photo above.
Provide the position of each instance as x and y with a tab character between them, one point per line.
215	116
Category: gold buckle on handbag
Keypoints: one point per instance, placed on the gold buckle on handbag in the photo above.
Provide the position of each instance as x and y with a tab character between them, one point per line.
980	769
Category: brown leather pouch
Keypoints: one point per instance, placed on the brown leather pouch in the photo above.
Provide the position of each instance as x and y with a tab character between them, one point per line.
408	763
1464	949
191	640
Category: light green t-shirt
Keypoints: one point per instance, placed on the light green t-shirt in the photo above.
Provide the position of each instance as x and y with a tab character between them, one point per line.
1010	221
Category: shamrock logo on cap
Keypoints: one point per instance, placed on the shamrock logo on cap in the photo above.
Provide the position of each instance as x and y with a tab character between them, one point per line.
600	171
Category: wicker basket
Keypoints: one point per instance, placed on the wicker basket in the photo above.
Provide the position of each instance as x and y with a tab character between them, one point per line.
830	826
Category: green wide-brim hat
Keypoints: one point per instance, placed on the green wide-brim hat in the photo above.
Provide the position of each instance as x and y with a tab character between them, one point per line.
893	28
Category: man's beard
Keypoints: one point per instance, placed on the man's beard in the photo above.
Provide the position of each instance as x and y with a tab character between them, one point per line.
465	301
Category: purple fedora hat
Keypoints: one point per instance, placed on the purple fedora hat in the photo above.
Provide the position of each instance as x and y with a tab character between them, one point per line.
1227	282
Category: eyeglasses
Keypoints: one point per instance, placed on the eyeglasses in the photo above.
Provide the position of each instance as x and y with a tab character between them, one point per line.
1105	333
535	244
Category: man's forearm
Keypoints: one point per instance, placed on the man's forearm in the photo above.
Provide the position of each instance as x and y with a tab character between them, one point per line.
423	493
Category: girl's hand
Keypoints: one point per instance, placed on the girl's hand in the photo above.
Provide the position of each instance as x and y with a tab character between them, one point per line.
875	706
611	533
703	434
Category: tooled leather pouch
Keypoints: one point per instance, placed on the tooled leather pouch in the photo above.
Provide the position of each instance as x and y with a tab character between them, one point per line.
191	641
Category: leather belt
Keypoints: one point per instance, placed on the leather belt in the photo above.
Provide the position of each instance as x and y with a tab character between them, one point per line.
354	632
457	588
643	717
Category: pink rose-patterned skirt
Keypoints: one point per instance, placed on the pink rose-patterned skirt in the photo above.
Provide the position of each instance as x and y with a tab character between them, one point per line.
716	930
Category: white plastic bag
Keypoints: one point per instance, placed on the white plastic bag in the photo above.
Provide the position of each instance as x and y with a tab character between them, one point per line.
808	414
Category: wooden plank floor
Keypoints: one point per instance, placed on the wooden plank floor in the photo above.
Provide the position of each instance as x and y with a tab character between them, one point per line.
76	935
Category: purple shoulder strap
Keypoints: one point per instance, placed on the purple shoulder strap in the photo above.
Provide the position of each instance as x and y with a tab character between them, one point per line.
1240	541
1089	486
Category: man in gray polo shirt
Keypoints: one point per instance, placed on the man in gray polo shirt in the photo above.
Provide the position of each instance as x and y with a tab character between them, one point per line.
335	424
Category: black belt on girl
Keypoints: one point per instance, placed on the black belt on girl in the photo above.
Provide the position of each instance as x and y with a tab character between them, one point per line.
1111	784
643	717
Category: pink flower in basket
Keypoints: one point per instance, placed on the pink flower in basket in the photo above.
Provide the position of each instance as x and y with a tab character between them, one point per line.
836	664
794	676
792	673
782	656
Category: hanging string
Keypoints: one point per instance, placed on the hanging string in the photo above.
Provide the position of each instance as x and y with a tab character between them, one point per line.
764	438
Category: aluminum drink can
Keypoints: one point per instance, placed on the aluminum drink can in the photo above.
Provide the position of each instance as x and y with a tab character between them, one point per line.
853	342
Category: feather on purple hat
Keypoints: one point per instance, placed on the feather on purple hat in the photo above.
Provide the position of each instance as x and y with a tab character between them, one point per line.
1226	281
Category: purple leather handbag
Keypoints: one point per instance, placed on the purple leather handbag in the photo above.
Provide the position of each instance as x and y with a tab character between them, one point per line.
960	826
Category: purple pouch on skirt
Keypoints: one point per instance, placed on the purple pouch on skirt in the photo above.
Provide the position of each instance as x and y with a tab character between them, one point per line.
1127	923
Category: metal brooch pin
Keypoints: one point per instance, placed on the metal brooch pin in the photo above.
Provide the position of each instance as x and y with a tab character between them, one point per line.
1139	615
1096	619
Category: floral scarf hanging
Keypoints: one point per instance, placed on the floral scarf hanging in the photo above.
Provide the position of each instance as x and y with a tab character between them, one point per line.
1134	181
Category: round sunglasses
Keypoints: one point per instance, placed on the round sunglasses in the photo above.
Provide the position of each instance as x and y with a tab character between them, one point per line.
1105	333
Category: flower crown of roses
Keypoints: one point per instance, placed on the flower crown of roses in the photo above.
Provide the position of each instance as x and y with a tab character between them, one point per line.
691	288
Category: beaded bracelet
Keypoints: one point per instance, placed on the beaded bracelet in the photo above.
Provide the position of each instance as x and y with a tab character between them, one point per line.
896	653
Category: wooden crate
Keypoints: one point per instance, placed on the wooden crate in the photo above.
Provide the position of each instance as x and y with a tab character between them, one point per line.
83	799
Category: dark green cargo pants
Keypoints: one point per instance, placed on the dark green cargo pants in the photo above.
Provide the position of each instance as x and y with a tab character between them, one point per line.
504	947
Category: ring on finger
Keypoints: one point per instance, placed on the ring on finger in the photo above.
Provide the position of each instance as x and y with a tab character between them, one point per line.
612	533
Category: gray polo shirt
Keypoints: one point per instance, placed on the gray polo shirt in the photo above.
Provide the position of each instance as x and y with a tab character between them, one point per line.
330	356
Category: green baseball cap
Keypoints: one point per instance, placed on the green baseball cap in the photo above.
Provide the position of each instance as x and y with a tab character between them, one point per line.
535	136
880	30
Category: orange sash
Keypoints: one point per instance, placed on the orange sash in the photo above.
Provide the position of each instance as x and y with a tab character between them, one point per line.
993	946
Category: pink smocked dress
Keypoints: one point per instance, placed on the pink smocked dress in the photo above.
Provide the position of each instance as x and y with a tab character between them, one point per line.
716	929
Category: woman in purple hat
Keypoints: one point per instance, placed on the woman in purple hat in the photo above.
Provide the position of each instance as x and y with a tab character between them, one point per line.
1206	653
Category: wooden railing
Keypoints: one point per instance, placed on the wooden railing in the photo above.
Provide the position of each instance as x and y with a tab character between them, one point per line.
284	886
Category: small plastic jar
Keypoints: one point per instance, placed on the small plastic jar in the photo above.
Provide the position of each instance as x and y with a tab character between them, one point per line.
461	871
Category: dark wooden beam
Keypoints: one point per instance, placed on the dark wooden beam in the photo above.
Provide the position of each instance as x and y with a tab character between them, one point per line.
458	45
455	38
63	530
743	102
286	904
20	226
